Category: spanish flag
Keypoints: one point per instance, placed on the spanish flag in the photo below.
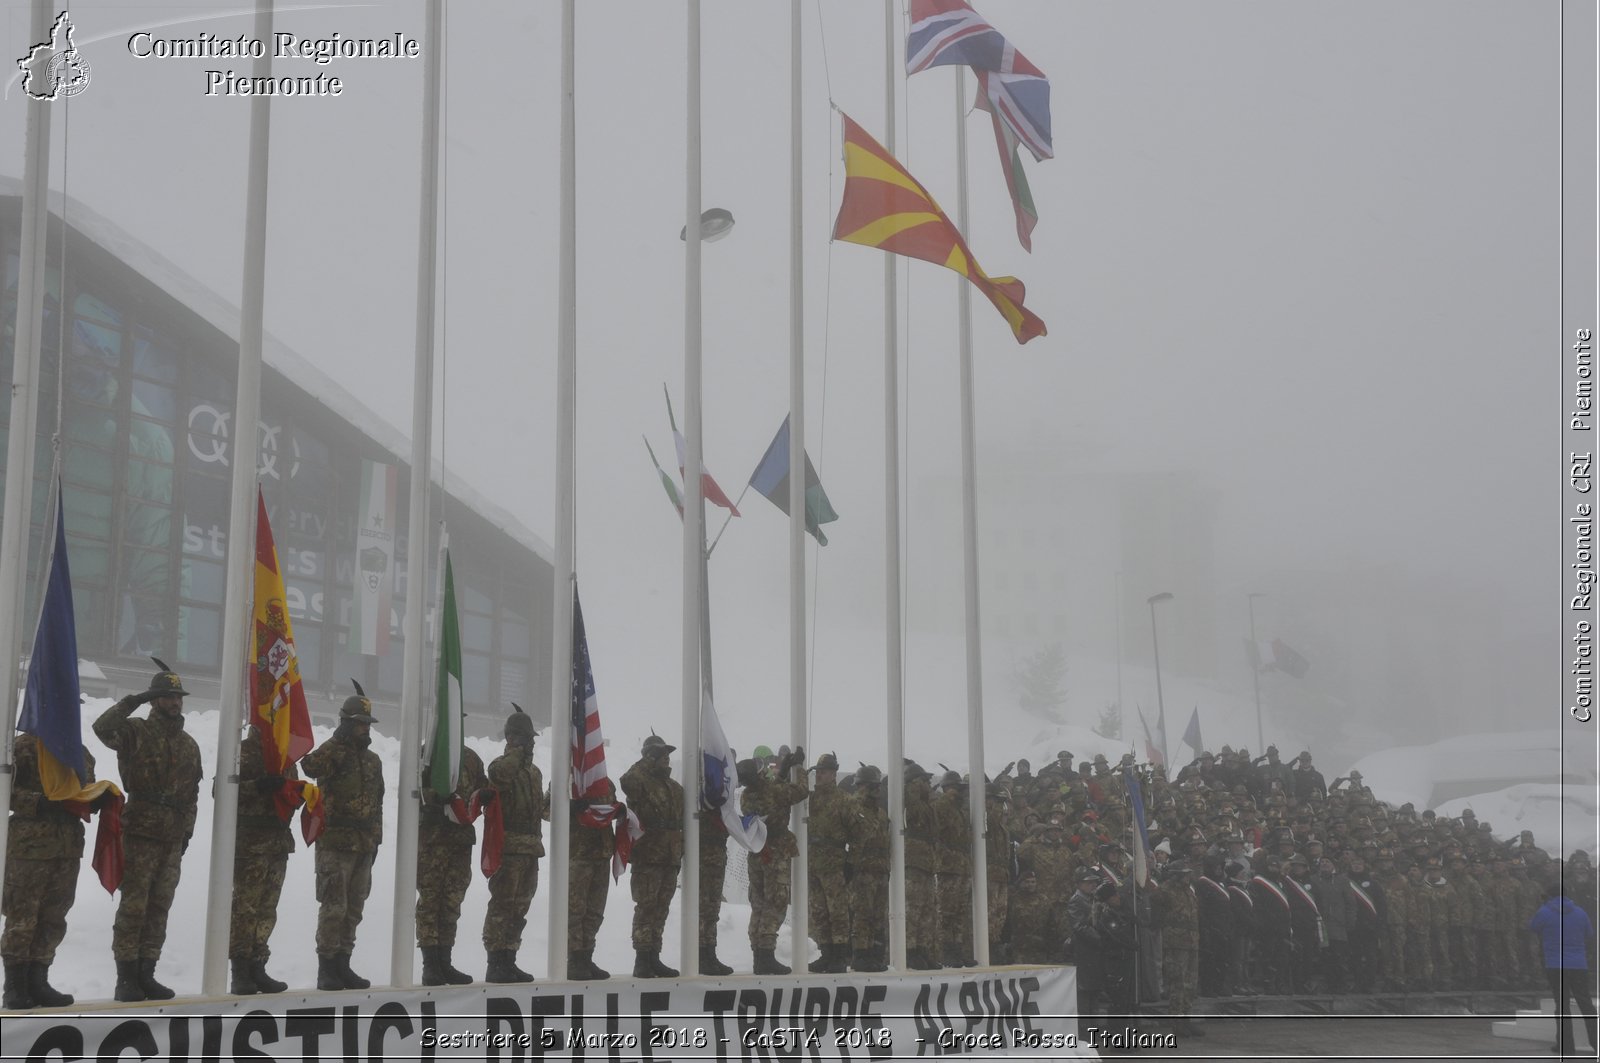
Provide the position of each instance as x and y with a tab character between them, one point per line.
885	207
278	701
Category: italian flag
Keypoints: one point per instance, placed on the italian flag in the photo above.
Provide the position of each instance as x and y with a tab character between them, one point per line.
444	759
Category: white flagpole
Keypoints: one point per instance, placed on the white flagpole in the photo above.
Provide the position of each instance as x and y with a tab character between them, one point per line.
977	791
403	937
561	736
894	771
24	412
241	536
694	554
800	886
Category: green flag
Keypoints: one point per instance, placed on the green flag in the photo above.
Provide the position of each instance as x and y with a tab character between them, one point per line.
444	756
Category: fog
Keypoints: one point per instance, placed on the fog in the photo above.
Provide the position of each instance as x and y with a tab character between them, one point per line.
1299	265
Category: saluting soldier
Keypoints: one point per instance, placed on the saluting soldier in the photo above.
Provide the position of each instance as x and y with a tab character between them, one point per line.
657	798
829	819
519	787
954	857
771	798
160	767
351	778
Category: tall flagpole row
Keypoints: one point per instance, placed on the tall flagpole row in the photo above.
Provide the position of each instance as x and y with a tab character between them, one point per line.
977	791
800	886
894	772
694	554
402	948
15	529
561	583
241	538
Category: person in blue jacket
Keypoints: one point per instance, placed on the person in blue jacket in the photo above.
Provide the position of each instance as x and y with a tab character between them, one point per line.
1565	931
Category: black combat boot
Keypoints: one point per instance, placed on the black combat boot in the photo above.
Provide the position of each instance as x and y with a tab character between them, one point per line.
432	966
592	972
709	964
503	968
351	979
577	970
44	995
451	975
153	990
869	961
17	995
244	979
642	967
129	988
329	976
661	969
820	964
766	963
837	959
267	983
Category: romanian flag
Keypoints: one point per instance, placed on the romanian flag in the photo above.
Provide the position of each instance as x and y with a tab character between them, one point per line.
278	701
885	207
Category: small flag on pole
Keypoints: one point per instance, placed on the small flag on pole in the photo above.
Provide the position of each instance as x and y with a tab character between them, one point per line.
1141	838
279	711
444	754
667	481
771	478
720	775
1152	752
709	489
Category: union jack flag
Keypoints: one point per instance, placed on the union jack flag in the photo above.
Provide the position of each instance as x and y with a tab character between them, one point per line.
590	783
951	33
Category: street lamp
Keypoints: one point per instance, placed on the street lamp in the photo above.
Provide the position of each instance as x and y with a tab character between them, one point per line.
1155	644
714	225
1255	669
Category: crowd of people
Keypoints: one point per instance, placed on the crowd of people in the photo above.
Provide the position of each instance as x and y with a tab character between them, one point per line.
1257	877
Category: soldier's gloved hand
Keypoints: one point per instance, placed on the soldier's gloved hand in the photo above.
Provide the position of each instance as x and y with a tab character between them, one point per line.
102	801
268	783
486	796
1007	769
135	700
792	760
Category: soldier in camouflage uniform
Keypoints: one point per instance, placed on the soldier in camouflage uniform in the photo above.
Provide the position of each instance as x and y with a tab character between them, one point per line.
1486	915
829	820
1508	921
160	768
869	874
1442	900
444	868
657	798
997	858
1053	861
1039	929
1177	913
713	878
261	848
1397	917
922	903
954	857
1419	929
351	778
44	848
1464	923
519	787
588	885
771	799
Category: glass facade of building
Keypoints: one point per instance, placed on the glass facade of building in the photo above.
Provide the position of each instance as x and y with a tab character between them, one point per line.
146	390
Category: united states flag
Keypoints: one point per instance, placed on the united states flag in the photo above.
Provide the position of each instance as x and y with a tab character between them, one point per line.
950	33
590	783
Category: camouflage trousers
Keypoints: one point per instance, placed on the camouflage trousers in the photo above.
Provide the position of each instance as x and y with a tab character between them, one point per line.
344	879
954	925
922	910
38	895
257	885
511	891
1392	948
1180	968
713	874
588	885
829	897
999	908
149	882
769	898
869	910
652	886
1419	956
1504	953
1446	968
443	874
1464	943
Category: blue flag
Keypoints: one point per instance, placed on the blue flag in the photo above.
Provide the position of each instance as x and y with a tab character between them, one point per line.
721	775
1141	841
52	706
771	478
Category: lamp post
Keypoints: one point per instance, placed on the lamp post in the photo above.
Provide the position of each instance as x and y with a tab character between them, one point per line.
1255	670
1155	644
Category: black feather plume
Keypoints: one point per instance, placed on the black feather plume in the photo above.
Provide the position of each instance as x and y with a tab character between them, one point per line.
353	683
161	664
514	705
